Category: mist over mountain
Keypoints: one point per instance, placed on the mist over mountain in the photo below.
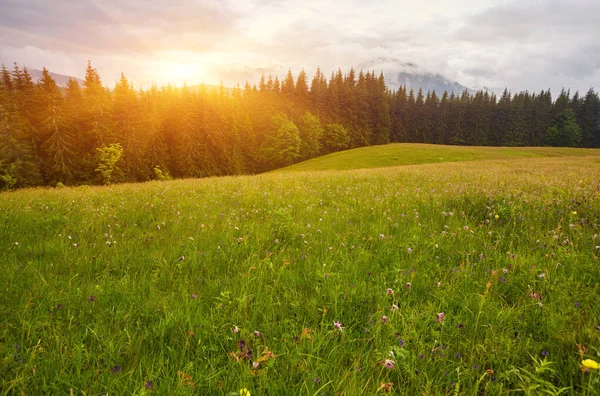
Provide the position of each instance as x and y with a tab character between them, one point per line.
398	73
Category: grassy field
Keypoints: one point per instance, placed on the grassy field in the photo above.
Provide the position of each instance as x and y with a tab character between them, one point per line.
428	279
414	153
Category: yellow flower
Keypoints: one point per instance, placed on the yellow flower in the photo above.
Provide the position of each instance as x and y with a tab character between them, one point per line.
496	216
244	392
573	213
590	364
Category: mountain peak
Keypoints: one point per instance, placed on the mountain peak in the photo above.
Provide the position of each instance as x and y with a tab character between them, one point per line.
399	73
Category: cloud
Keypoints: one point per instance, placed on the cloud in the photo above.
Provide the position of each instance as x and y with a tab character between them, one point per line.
525	44
95	26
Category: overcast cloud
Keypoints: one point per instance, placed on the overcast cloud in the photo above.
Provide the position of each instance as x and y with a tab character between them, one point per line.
526	44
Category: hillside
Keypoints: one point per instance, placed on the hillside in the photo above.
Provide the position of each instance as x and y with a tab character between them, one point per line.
438	276
398	154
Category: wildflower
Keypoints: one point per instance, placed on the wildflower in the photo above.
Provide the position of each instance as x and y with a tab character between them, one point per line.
577	304
235	330
496	217
408	285
388	363
386	386
401	342
438	284
244	392
389	292
255	365
394	308
116	369
542	275
256	333
181	258
440	317
92	298
317	380
574	213
384	319
59	306
409	250
194	296
338	326
149	385
16	243
242	344
590	364
545	353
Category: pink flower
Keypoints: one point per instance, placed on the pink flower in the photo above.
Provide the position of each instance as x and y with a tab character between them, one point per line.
388	363
389	292
394	308
384	319
235	330
338	326
408	285
440	317
256	333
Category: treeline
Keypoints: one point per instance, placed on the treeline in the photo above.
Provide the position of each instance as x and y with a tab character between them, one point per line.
91	134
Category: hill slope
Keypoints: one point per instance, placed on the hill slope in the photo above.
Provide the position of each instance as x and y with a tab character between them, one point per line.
397	154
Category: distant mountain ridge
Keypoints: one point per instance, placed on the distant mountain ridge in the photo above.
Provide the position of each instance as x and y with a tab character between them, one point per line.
398	73
61	79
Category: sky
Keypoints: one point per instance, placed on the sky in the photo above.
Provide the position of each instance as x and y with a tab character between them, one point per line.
493	44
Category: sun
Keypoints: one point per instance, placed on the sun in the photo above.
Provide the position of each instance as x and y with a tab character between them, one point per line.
179	73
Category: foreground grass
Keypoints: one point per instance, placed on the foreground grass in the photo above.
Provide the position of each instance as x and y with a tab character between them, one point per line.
151	288
398	154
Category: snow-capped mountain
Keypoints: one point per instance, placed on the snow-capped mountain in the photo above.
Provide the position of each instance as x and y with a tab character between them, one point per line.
398	73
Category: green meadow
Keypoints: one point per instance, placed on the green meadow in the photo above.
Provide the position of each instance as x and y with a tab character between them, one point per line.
474	272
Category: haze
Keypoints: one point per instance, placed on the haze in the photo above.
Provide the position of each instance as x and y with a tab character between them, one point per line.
522	45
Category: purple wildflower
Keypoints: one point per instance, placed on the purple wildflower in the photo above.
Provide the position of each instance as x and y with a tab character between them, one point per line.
242	344
388	363
149	385
116	369
92	298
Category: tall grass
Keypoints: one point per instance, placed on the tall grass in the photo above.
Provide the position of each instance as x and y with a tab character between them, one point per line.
211	286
